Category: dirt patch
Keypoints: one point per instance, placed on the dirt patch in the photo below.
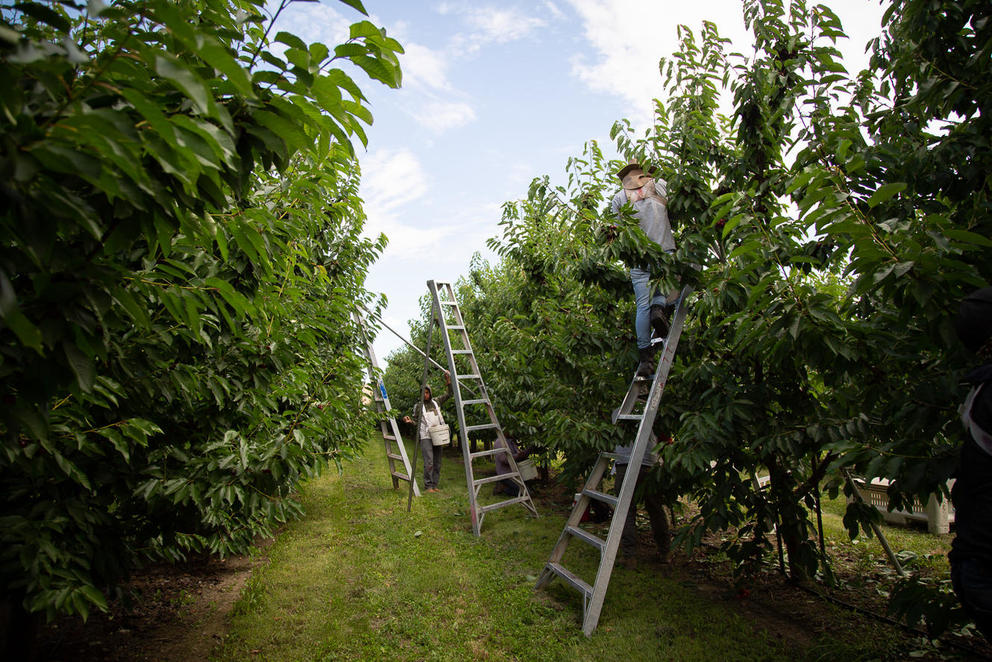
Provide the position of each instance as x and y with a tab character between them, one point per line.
167	614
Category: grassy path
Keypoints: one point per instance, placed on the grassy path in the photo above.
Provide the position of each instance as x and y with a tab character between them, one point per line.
361	579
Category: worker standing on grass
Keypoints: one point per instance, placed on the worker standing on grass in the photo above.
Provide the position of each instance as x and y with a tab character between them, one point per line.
971	551
648	196
432	416
658	513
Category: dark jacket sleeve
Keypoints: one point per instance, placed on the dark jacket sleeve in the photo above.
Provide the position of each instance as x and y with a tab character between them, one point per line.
444	398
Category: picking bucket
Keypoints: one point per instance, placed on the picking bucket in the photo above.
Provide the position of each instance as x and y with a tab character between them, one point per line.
440	434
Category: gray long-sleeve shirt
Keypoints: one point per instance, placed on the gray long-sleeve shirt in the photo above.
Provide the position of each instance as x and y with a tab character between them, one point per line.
651	213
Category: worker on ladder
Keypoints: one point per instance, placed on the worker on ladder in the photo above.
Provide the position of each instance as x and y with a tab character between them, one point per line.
648	195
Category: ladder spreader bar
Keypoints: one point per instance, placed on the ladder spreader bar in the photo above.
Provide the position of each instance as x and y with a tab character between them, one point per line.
502	504
493	479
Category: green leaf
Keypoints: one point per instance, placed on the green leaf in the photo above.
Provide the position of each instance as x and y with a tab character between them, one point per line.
43	14
26	332
885	192
355	4
967	237
291	40
81	364
187	82
231	296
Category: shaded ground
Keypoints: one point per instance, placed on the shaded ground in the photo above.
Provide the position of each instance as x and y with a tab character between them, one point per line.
168	614
180	614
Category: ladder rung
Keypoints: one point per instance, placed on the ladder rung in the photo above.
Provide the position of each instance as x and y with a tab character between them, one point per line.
469	377
611	456
488	453
601	496
461	351
485	426
502	504
394	456
475	402
573	579
447	303
456	327
389	437
585	536
397	474
630	417
493	479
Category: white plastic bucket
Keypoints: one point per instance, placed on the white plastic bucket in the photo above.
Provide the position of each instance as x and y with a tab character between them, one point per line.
440	434
527	469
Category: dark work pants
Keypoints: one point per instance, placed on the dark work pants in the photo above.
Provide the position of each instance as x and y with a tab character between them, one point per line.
972	580
661	525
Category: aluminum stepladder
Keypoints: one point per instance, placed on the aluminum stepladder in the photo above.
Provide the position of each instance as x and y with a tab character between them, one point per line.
648	391
395	450
444	305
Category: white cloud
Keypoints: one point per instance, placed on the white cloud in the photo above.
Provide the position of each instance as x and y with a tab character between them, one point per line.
489	25
391	179
314	22
629	37
502	25
439	116
392	182
424	67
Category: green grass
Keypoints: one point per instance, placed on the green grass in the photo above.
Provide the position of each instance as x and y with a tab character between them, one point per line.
360	578
919	550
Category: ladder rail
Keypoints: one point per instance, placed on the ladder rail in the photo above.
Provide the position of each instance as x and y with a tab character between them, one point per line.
477	512
387	426
595	595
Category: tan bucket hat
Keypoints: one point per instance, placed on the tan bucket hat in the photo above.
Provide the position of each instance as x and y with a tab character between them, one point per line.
632	175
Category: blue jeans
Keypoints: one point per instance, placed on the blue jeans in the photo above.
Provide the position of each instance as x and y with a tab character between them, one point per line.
972	581
642	297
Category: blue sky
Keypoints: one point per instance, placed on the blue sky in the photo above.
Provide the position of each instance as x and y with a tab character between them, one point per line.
496	93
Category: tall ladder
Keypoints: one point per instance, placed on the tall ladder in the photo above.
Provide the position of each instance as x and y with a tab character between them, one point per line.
395	450
649	392
445	307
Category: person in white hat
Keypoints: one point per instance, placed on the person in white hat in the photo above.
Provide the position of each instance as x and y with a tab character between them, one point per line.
648	196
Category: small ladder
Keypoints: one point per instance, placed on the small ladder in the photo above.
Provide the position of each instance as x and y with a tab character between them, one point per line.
445	307
648	391
395	450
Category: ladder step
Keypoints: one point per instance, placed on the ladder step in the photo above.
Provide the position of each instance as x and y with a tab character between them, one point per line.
503	504
610	456
630	417
461	351
573	579
485	426
455	327
475	402
469	377
601	496
585	536
397	474
389	437
447	303
493	479
489	453
394	456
